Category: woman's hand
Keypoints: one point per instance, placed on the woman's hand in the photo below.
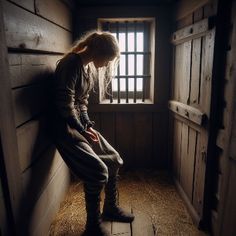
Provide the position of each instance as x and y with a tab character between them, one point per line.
91	134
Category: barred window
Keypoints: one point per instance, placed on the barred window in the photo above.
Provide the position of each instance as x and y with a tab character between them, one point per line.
133	78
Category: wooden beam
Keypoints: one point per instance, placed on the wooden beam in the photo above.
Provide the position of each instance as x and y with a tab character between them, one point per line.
193	31
25	30
188	112
7	126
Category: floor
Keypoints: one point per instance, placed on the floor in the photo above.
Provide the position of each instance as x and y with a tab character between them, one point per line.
150	195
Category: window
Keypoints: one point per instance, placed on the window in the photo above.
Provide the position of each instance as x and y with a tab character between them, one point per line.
134	76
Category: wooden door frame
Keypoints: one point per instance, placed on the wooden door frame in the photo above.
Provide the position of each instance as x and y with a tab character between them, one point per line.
8	129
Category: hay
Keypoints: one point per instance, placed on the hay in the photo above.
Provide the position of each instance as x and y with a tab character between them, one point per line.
150	192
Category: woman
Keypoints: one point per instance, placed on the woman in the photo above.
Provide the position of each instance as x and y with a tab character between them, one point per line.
85	150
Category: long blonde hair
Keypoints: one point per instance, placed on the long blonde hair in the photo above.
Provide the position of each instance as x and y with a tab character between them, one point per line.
105	46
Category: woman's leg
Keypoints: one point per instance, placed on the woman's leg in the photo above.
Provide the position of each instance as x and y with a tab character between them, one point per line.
112	159
85	164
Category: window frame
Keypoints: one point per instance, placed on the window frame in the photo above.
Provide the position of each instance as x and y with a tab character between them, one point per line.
147	95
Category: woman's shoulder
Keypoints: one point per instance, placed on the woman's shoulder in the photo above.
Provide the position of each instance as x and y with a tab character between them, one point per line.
71	60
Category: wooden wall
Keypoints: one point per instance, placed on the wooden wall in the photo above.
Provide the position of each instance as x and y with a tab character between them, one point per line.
138	131
37	33
190	103
224	211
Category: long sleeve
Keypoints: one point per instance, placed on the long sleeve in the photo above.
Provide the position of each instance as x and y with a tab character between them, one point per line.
67	74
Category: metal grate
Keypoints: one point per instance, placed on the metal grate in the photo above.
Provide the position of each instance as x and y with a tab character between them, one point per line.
133	72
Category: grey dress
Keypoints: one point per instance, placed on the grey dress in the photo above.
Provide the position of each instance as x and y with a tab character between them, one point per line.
91	162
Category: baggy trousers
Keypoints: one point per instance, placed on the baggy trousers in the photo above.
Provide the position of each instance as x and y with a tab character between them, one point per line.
93	164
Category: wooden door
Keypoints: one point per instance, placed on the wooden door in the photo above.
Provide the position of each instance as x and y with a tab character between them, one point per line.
190	110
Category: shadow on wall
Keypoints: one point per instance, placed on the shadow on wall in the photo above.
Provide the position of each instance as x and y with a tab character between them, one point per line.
42	161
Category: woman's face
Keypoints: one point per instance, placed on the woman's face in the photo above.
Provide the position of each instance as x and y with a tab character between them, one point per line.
101	62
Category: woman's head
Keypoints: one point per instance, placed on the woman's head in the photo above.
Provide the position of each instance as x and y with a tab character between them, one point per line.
102	46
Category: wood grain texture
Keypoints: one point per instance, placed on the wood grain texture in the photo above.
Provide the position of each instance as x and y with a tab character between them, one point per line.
27	4
206	75
143	131
125	137
28	102
7	127
28	31
142	225
51	197
54	10
177	143
32	141
187	112
28	69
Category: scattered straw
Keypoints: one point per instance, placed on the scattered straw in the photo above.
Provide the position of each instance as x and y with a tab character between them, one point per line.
150	192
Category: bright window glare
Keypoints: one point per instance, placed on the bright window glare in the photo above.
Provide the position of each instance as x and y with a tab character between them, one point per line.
130	64
139	42
130	42
122	42
131	84
122	64
139	64
114	85
122	84
139	84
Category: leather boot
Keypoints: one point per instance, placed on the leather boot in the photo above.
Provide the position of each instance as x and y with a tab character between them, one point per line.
94	225
111	210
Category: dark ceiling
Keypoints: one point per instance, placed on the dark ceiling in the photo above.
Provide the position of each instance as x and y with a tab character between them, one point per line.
122	2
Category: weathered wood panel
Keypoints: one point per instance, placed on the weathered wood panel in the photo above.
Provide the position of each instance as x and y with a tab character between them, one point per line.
200	169
125	137
37	177
159	143
32	141
230	206
54	10
52	196
143	139
141	225
26	30
27	4
206	75
29	101
177	143
28	69
108	124
195	73
7	127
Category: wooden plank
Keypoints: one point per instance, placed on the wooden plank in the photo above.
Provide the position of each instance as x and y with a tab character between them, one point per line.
37	177
49	202
206	75
178	71
3	214
125	137
143	131
229	226
27	4
54	10
177	148
28	31
120	228
184	158
195	72
31	140
200	169
28	102
188	171
7	127
193	31
188	112
27	69
107	225
108	127
198	15
142	224
185	73
221	139
186	21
